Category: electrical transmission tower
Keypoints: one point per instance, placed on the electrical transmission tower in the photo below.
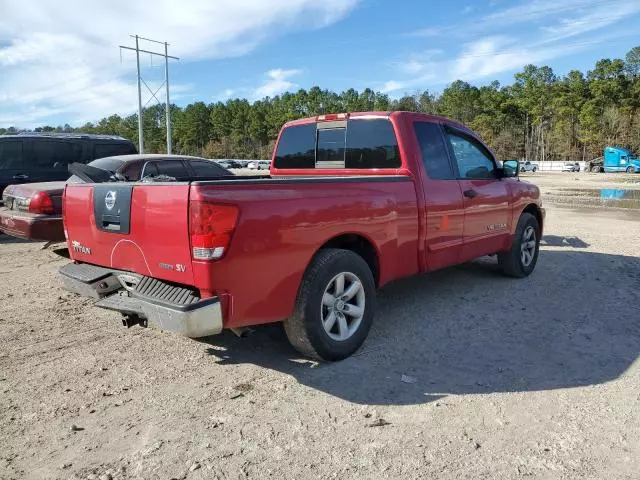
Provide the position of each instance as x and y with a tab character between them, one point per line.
166	57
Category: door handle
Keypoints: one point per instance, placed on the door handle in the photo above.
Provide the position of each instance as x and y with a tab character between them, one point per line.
21	176
470	193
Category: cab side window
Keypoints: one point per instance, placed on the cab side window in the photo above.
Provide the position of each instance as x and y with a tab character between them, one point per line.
473	160
434	151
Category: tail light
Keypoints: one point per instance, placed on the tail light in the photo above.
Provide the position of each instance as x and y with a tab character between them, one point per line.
210	227
41	202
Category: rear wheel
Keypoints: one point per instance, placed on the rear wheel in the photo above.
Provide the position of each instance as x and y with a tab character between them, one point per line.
630	170
534	169
334	308
520	260
595	169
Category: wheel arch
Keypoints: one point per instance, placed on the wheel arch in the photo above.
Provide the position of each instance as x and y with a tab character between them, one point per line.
535	210
359	244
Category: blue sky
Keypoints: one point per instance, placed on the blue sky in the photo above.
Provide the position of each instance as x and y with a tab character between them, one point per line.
58	68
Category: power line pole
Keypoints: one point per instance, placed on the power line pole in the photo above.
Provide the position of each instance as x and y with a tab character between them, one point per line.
140	129
168	108
166	56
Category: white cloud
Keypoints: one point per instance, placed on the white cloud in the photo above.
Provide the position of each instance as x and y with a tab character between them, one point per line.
393	86
529	11
277	82
225	95
479	59
548	23
418	63
484	57
593	19
61	58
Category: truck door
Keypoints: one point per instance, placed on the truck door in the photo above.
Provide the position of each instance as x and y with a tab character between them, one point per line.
611	162
444	204
487	199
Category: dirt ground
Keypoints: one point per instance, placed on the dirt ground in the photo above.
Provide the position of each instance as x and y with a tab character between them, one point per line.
503	378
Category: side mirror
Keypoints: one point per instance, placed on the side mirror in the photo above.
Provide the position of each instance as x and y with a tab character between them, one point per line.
510	168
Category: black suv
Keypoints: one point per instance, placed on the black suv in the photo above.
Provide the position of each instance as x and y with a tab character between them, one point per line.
44	157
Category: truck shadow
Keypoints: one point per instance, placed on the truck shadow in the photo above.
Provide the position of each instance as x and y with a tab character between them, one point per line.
469	330
560	241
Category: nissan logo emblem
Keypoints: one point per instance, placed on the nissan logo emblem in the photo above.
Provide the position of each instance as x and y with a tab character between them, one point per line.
110	200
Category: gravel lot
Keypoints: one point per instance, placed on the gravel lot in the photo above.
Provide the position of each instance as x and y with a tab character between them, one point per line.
502	378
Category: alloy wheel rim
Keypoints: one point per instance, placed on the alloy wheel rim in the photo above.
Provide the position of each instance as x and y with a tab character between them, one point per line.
528	246
342	307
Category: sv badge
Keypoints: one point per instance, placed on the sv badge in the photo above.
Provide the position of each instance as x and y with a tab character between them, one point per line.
178	267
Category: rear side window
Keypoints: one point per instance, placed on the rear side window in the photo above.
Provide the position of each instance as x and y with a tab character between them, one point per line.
112	149
55	154
434	151
172	168
364	143
371	143
203	168
297	147
132	170
11	154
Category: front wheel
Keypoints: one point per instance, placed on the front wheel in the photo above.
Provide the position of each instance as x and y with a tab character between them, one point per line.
595	169
631	170
534	169
520	260
335	306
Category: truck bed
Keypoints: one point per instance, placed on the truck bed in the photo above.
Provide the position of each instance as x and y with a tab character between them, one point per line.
282	223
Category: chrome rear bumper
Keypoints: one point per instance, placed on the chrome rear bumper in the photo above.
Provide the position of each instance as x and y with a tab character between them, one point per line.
116	291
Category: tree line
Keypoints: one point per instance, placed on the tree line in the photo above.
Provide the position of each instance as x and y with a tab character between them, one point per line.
540	116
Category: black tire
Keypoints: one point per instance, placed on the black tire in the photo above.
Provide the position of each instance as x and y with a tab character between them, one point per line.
534	169
305	328
631	170
595	169
511	261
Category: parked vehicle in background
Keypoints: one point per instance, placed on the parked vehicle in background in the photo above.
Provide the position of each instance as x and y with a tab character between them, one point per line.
44	157
259	165
615	159
528	167
352	203
571	167
229	164
34	210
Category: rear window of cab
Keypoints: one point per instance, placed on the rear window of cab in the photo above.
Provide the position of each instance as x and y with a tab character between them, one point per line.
355	143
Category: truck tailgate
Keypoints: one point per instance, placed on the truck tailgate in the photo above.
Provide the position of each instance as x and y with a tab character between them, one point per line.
141	228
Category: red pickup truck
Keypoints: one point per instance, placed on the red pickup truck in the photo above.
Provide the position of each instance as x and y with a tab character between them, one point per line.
352	202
